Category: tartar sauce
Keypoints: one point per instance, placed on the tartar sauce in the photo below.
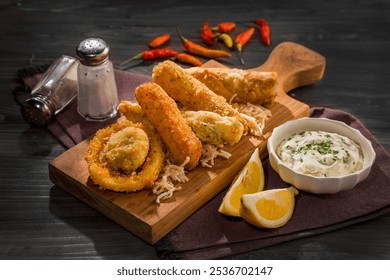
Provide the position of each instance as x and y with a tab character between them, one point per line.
321	154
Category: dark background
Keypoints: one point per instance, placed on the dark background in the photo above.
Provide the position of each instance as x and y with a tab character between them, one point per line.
40	221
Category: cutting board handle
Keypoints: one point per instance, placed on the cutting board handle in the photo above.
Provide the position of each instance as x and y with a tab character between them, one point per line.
295	64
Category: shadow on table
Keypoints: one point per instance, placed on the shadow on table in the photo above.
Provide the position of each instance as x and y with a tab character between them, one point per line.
110	240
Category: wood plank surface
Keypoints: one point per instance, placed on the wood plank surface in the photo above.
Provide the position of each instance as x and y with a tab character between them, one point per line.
138	212
38	220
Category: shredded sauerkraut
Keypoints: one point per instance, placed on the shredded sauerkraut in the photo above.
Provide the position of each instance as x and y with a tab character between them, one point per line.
211	152
172	174
164	187
259	113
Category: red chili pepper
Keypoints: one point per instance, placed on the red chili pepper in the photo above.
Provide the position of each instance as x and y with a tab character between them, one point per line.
242	39
159	40
189	59
152	54
264	31
225	27
200	50
208	35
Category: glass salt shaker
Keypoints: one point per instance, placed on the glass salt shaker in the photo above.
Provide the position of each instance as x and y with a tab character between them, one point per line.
97	91
53	93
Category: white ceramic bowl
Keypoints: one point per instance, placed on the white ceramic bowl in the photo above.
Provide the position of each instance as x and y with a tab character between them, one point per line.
309	183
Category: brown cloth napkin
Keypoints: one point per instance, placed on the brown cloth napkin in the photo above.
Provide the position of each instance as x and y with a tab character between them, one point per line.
209	235
69	126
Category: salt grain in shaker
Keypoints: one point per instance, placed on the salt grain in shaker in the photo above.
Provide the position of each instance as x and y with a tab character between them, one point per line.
97	92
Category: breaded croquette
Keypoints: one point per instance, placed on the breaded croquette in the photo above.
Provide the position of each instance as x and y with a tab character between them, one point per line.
193	94
126	150
242	86
212	128
163	113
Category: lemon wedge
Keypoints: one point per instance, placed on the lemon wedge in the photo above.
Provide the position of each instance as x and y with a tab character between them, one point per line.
270	208
249	180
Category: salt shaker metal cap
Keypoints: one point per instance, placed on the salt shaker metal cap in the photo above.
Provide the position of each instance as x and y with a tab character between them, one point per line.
37	111
92	51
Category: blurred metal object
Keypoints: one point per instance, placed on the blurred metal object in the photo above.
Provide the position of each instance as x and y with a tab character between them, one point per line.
53	93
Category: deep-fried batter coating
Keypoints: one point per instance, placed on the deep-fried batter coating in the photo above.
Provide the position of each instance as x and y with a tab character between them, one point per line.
165	116
193	94
133	112
242	85
115	180
212	128
126	150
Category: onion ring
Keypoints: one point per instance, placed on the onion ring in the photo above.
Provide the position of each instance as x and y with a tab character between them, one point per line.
114	180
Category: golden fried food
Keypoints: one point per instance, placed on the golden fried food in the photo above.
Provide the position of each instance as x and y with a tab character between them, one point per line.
212	128
193	94
106	178
242	86
165	116
126	150
133	112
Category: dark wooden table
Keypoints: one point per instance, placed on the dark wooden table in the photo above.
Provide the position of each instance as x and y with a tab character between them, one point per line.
40	221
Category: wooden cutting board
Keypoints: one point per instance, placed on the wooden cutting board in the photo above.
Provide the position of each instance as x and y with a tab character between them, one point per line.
138	212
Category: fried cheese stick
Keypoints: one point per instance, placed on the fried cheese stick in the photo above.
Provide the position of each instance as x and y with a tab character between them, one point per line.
212	128
193	94
242	85
163	113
